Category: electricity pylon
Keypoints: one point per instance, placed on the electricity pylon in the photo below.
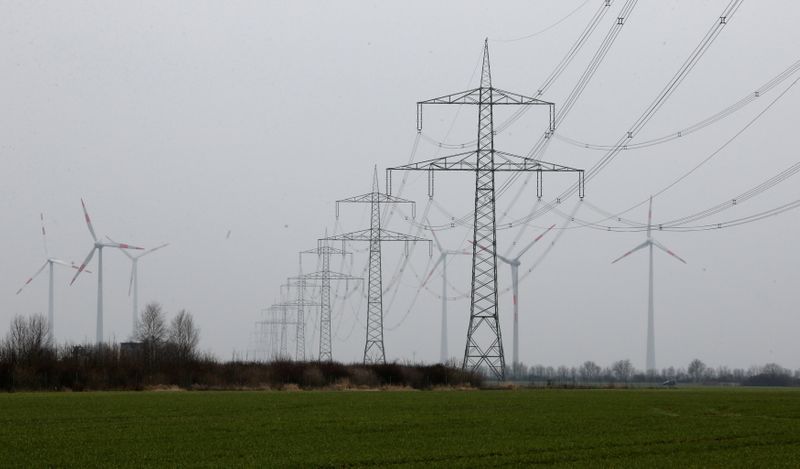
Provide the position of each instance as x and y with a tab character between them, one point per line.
484	346
374	351
300	304
278	317
323	277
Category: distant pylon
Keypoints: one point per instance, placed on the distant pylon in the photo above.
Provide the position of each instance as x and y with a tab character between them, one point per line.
278	337
484	345
374	351
300	304
323	277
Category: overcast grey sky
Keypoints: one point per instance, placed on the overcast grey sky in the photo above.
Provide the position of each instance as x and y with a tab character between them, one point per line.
179	121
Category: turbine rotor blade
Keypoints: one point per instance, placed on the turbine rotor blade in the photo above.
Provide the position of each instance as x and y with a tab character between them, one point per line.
121	246
650	217
121	250
33	276
152	250
668	251
88	221
44	235
643	245
130	284
83	265
535	240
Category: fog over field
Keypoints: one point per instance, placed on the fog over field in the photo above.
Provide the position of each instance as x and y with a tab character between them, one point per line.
229	130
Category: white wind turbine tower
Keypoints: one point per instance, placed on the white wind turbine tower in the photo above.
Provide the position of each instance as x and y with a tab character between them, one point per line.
650	243
134	282
514	263
443	253
49	262
98	246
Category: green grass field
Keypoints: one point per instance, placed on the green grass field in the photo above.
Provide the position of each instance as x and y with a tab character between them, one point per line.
637	428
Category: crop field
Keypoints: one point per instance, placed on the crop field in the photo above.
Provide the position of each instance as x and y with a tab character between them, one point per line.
637	428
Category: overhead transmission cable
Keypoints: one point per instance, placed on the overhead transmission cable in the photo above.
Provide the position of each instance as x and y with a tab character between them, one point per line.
650	111
548	28
617	216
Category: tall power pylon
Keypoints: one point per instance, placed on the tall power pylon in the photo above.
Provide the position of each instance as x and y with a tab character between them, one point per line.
374	351
484	346
323	277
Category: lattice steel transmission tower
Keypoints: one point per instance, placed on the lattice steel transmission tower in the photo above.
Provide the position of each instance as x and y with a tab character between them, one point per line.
323	277
374	351
275	326
484	346
301	304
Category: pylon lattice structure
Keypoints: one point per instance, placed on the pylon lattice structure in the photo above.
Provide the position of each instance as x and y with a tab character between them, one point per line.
273	331
323	277
374	351
300	304
484	345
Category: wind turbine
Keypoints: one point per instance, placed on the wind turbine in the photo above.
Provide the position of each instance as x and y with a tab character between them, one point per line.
515	262
134	282
98	246
650	243
49	262
443	353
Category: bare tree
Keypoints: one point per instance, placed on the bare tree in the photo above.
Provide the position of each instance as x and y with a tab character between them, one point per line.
184	335
152	327
623	370
589	371
28	338
696	370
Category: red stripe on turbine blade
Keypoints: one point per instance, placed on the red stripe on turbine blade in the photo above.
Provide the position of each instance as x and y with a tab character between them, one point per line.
29	281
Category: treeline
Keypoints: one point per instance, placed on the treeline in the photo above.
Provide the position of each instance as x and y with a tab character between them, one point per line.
623	372
164	353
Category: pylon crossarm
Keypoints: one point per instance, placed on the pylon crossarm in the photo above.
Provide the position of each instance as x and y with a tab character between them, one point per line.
297	304
496	96
472	96
510	162
321	250
465	162
330	275
504	97
456	162
375	197
382	235
503	162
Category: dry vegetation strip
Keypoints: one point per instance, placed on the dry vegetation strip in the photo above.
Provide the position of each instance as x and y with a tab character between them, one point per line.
641	428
